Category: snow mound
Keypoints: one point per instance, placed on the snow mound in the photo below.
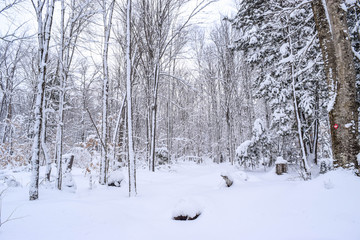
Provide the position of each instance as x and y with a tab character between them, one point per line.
9	181
115	178
240	176
186	209
280	160
68	182
236	177
328	184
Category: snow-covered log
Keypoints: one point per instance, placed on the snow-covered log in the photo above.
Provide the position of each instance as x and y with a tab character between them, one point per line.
186	209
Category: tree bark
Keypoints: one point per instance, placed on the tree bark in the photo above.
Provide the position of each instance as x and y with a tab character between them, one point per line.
131	153
43	143
338	58
44	30
154	116
104	165
59	127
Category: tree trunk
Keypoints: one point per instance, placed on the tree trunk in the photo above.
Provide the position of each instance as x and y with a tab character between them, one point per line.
44	30
304	163
338	58
154	115
59	127
43	143
131	153
117	135
104	165
229	135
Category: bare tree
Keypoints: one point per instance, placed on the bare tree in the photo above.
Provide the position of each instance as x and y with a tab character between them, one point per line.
108	10
223	38
69	34
12	34
158	21
131	153
44	33
9	66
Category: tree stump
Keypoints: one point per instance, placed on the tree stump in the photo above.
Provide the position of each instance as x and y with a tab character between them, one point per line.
67	179
228	181
69	163
281	166
323	167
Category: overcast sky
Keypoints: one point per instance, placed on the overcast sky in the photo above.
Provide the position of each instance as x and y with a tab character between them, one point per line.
25	14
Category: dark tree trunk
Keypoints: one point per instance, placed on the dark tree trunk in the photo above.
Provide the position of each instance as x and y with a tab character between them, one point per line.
340	74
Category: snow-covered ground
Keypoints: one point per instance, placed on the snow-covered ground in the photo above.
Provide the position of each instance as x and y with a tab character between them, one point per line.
258	206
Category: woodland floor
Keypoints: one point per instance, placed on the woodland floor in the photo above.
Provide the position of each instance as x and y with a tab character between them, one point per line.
265	206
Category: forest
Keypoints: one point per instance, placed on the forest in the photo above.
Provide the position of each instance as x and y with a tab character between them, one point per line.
101	93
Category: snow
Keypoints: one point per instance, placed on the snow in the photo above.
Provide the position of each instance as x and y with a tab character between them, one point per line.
68	182
280	160
253	40
187	207
116	177
350	2
266	206
343	6
284	49
327	15
258	129
242	149
332	100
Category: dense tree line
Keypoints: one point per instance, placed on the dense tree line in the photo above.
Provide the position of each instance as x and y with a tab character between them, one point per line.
138	83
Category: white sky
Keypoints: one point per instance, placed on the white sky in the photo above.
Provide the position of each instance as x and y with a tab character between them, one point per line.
23	15
216	10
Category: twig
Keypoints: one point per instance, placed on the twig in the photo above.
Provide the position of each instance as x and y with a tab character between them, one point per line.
12	213
97	131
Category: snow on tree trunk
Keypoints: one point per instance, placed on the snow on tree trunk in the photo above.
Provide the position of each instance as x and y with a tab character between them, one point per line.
304	165
131	153
43	143
119	121
330	19
59	127
107	21
154	115
67	180
44	31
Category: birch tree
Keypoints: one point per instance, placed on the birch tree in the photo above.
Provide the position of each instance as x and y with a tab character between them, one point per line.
45	7
131	153
108	10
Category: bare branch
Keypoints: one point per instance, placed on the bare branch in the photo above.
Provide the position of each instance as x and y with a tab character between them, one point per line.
97	130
